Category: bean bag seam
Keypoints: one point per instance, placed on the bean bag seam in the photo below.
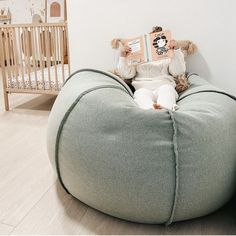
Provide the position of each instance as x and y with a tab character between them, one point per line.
63	121
116	78
208	91
176	159
188	75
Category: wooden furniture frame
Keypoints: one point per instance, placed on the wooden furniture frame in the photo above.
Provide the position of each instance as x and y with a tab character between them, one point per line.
27	50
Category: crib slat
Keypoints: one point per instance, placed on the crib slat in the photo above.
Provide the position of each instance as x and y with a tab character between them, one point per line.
57	45
68	49
23	38
27	54
33	56
8	66
36	48
39	34
47	43
21	57
15	57
57	37
54	56
11	53
62	53
6	55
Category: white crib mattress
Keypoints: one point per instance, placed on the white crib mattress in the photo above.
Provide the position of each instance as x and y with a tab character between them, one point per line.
41	82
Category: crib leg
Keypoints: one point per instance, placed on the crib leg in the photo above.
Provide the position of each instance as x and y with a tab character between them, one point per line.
6	101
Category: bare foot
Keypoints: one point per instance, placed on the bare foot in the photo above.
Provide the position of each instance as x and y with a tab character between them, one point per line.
157	106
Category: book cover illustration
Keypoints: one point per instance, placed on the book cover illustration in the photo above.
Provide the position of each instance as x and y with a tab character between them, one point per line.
159	45
149	47
138	54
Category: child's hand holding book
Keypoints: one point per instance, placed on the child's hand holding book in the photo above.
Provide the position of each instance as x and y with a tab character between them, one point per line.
125	51
173	45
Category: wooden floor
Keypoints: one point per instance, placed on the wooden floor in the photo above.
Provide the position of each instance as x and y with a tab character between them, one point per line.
33	202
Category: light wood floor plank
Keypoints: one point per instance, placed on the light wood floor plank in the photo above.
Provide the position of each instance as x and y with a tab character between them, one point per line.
5	229
67	215
24	169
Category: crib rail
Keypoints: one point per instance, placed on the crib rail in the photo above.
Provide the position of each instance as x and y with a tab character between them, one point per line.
34	58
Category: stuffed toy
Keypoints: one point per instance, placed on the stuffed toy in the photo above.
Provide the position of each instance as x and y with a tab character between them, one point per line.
187	47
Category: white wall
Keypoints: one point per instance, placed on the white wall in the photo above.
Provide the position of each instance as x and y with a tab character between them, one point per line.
211	24
23	10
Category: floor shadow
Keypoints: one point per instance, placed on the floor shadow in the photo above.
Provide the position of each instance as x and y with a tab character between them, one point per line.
41	102
100	223
221	222
197	64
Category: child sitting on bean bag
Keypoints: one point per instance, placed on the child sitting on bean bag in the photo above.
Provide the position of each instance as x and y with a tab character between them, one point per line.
156	83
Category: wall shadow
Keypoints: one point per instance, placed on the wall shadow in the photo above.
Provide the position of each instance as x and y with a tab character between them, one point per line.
197	64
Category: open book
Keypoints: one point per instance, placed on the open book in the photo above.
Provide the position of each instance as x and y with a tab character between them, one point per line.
149	47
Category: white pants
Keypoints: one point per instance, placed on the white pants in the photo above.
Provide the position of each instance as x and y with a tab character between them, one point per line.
165	96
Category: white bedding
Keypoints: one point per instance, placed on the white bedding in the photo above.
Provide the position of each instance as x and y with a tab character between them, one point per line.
40	83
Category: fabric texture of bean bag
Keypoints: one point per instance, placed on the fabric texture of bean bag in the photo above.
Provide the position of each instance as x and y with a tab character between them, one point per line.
148	166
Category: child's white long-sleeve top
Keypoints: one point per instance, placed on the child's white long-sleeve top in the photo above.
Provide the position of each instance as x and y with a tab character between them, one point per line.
152	75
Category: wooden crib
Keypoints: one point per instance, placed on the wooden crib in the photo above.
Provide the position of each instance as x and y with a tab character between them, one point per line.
34	58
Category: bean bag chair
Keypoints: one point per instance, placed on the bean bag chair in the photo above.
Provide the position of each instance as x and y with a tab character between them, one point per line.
147	166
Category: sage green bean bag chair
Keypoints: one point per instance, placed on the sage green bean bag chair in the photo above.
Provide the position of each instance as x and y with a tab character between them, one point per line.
149	166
